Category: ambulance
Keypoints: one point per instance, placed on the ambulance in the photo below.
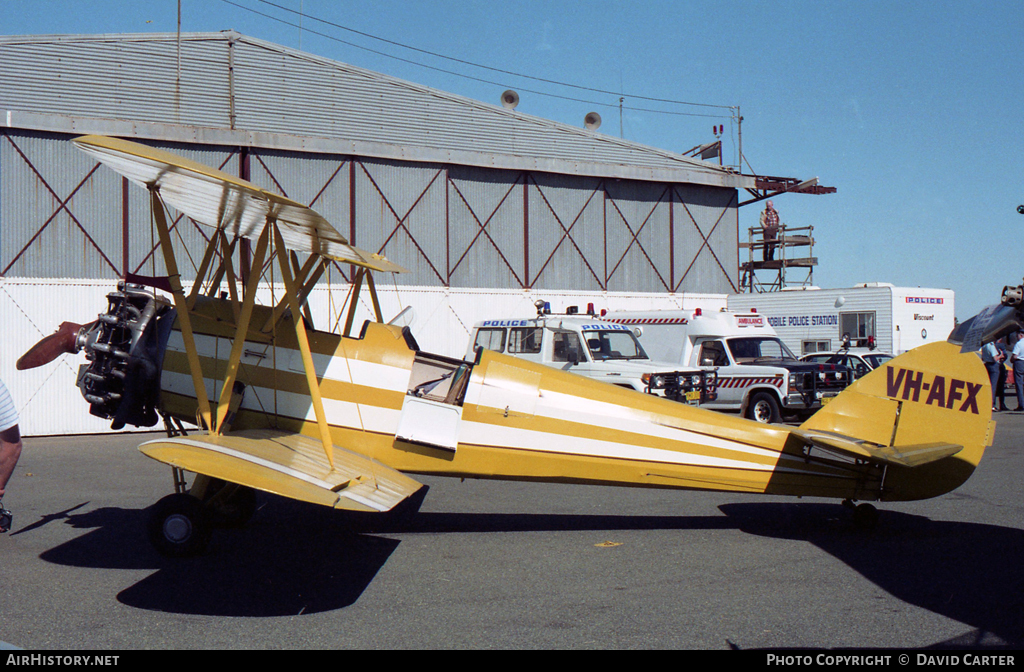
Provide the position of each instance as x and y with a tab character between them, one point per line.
594	348
757	375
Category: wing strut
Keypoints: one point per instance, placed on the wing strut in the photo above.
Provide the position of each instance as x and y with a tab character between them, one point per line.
238	345
174	279
291	291
363	274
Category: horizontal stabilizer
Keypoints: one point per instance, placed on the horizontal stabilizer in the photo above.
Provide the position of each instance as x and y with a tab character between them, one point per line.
906	456
288	464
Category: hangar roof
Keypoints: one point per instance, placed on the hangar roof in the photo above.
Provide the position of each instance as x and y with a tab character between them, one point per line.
242	91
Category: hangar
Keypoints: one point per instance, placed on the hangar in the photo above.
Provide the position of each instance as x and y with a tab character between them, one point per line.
487	207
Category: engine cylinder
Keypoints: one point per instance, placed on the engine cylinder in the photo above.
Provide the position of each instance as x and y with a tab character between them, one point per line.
125	349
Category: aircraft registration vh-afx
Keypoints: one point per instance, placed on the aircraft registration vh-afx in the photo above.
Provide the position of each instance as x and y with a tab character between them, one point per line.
342	419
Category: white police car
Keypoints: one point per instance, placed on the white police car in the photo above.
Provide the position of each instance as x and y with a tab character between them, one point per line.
860	361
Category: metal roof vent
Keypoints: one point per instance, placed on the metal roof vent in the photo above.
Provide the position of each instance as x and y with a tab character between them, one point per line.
509	99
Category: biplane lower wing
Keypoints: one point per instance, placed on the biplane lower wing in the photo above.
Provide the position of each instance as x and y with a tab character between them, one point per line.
287	464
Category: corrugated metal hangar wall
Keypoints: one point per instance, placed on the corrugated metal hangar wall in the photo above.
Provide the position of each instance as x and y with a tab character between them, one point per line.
488	208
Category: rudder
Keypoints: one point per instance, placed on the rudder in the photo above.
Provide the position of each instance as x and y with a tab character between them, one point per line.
932	394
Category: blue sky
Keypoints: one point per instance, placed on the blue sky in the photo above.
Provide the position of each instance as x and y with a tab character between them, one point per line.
914	111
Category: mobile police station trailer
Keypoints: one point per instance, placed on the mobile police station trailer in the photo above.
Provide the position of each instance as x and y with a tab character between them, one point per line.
814	319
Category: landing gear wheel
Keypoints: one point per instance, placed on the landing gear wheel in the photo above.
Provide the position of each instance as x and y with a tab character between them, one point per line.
229	505
764	408
238	508
179	526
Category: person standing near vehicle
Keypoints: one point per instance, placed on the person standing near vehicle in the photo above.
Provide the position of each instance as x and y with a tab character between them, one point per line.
993	360
994	356
1017	359
10	449
1000	385
770	229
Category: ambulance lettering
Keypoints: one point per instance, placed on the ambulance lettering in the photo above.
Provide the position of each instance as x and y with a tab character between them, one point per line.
939	391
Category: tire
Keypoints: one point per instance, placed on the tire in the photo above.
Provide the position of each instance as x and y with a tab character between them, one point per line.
239	508
229	505
179	527
763	408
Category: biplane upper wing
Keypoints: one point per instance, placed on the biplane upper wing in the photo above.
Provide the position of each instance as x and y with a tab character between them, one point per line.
287	464
220	200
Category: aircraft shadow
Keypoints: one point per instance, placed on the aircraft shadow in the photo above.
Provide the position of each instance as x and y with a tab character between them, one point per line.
294	558
291	558
468	523
968	572
283	564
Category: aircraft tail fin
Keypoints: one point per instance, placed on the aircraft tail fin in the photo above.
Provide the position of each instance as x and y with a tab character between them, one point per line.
926	414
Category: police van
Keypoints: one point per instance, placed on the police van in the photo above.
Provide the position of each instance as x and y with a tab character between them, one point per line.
871	315
758	376
597	349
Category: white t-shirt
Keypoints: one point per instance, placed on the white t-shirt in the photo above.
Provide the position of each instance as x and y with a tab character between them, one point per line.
1018	353
8	413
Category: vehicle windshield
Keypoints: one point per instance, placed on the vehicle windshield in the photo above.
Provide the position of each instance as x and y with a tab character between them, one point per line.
608	344
758	349
875	361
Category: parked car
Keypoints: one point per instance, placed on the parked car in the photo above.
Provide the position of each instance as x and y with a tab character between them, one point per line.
859	360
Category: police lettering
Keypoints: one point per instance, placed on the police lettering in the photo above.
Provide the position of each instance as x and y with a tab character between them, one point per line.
505	323
824	320
908	385
804	321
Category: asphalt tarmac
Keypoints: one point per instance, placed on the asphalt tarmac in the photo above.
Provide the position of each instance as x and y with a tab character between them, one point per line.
510	566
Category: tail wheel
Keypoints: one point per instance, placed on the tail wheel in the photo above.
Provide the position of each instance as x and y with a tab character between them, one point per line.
865	517
179	526
764	408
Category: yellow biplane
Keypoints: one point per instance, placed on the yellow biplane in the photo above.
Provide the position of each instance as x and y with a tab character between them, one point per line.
339	419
